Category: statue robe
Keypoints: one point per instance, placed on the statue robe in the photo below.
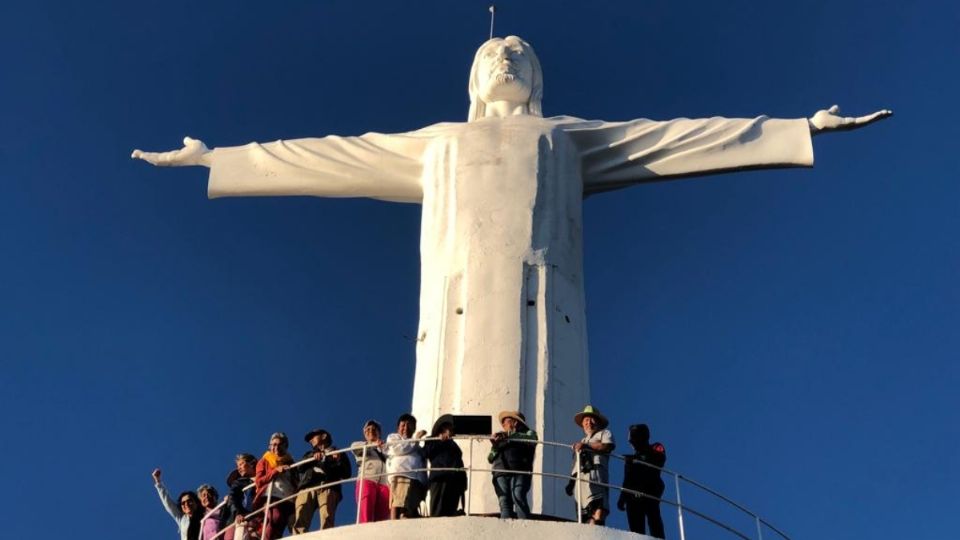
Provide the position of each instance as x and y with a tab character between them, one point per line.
502	318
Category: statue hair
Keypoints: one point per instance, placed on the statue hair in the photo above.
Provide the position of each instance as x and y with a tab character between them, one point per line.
478	107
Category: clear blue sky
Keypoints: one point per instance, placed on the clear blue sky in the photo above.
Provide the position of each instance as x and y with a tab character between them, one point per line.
791	335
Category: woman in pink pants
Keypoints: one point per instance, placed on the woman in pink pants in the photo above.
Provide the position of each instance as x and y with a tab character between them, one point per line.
373	492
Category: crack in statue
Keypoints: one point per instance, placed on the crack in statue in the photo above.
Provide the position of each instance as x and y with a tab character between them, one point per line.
502	322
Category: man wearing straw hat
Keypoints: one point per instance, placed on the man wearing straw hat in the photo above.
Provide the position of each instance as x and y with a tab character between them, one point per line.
513	450
594	449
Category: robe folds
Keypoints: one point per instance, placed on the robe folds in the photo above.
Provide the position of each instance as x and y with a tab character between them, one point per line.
502	310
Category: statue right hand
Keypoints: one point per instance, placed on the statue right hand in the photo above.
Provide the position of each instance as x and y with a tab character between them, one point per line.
156	476
192	153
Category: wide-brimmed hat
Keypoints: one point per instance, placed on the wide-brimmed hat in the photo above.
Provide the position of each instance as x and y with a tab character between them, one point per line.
590	410
314	432
516	415
443	420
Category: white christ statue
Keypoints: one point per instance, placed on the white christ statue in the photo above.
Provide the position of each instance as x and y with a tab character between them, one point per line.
502	318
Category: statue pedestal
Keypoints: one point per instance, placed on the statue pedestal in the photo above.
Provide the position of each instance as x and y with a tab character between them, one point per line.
457	528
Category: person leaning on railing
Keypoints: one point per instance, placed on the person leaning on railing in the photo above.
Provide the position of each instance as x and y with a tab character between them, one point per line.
273	477
324	468
405	465
511	452
239	500
212	512
639	476
373	491
446	486
185	512
594	448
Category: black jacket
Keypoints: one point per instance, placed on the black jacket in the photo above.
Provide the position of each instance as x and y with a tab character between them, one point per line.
239	503
639	477
513	453
329	469
444	454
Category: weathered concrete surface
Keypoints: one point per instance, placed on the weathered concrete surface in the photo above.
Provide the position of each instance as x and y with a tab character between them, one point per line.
457	528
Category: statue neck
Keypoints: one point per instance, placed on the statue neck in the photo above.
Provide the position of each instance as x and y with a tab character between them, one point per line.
503	109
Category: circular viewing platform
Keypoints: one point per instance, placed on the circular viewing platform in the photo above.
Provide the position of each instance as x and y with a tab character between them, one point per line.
709	514
457	528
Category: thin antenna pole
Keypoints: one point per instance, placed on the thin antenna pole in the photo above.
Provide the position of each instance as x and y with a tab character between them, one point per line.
493	12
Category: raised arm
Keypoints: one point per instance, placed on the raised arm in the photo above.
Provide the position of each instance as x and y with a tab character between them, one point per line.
372	165
172	507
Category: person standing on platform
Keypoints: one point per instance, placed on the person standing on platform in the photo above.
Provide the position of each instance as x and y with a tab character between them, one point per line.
446	487
324	469
212	519
186	511
638	475
513	450
405	465
273	476
373	491
594	450
240	499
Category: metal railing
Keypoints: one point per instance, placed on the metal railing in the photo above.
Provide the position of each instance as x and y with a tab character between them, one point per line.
579	479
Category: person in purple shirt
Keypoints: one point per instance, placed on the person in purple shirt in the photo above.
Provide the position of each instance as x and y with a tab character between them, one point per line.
212	512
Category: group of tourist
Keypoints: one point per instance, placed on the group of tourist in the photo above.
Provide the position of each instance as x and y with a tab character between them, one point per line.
394	481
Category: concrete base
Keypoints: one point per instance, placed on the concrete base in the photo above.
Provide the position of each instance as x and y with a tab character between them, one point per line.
457	528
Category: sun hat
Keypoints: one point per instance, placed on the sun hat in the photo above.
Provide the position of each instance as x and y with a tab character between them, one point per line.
516	415
590	410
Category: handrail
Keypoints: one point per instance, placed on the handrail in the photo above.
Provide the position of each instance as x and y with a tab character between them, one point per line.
469	469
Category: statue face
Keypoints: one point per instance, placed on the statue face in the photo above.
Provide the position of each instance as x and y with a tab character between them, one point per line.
506	73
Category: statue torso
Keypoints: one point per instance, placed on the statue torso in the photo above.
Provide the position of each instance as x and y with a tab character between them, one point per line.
502	188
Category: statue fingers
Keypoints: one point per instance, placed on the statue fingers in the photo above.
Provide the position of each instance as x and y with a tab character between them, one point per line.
870	118
150	157
160	158
834	109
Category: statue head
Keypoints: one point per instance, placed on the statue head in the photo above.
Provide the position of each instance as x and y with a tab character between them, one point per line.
505	69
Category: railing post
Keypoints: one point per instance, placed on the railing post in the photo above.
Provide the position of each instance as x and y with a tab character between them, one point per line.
360	486
676	482
469	478
266	508
577	487
759	528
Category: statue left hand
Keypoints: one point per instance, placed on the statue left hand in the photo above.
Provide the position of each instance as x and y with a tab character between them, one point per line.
829	120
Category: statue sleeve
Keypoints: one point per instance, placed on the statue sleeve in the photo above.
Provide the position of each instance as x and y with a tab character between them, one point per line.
616	155
373	165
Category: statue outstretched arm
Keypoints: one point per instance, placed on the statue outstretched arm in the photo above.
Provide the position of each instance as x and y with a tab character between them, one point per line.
373	165
827	120
619	154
